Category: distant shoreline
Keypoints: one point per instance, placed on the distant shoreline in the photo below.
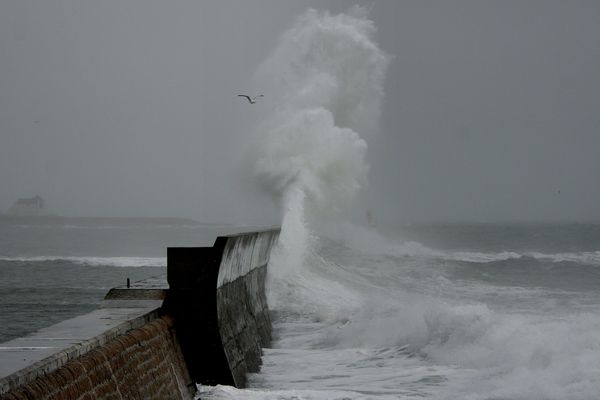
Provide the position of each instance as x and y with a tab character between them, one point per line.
60	220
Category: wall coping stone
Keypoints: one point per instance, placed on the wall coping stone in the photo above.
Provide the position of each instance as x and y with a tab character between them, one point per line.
26	358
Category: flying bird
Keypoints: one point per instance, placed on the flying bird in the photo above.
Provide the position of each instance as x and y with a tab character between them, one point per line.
252	100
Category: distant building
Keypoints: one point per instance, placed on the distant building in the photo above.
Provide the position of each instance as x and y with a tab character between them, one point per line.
33	206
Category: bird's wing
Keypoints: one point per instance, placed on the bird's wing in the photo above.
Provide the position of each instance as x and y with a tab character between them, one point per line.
243	95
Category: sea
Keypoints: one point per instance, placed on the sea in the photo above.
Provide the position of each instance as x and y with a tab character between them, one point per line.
428	311
55	268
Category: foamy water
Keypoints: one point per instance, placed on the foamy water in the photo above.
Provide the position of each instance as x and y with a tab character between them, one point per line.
359	325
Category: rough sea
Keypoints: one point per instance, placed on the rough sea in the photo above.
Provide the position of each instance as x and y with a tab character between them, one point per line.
52	270
438	311
434	311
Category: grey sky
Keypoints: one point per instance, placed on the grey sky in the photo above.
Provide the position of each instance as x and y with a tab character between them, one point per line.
128	108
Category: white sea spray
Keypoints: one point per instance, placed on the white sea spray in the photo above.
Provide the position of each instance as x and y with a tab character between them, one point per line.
325	83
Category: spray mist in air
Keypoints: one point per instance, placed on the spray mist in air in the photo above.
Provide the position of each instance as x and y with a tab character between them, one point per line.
324	81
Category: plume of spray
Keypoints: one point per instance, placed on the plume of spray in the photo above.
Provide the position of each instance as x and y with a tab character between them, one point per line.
325	83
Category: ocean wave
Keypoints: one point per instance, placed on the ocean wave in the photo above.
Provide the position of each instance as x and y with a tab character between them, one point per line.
583	258
94	261
372	242
415	249
587	258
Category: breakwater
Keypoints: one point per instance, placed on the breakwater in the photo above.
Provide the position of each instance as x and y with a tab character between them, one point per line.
204	322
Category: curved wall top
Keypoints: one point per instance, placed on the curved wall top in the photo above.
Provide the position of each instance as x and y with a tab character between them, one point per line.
244	253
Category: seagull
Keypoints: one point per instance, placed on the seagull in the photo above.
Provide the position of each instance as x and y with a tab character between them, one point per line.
251	100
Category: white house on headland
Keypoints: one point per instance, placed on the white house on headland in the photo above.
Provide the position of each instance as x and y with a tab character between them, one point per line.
33	206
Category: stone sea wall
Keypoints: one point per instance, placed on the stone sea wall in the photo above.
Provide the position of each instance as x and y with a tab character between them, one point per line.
143	363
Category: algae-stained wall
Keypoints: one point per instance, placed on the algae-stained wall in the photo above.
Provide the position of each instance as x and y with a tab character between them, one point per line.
143	363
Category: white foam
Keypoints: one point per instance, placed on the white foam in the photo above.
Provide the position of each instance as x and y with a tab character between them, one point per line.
383	245
586	257
473	351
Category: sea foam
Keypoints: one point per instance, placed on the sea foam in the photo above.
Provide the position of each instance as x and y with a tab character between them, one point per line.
325	82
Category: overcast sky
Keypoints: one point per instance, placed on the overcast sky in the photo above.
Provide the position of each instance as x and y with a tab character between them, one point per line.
129	108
